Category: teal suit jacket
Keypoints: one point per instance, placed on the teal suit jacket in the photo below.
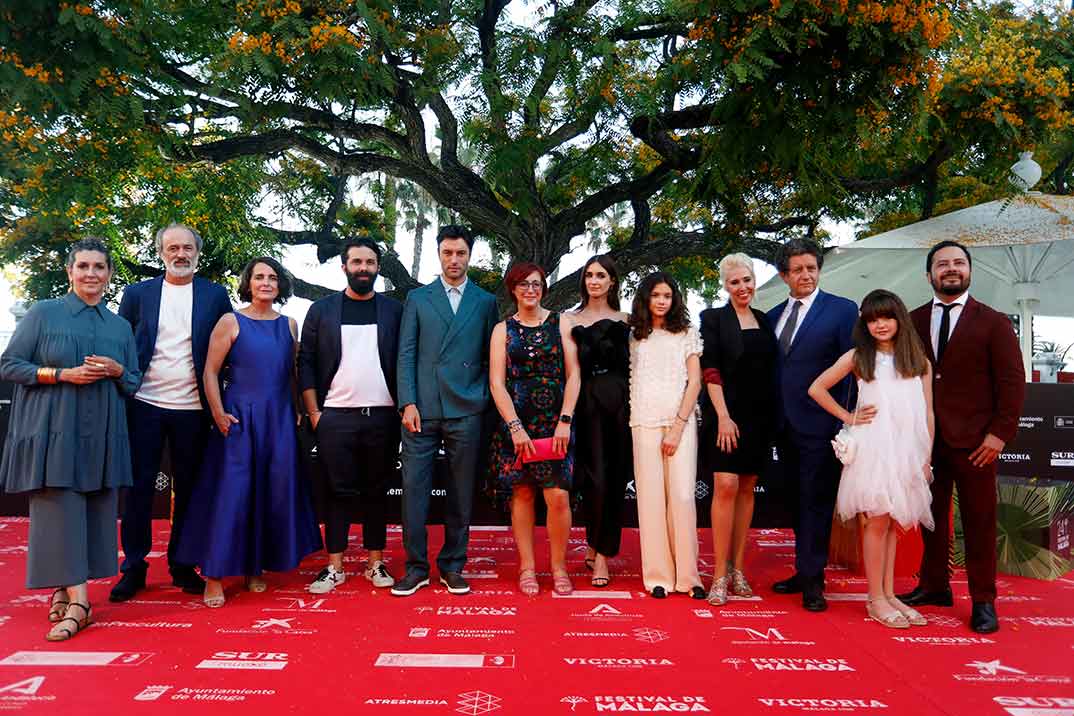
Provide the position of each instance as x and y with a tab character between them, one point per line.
443	365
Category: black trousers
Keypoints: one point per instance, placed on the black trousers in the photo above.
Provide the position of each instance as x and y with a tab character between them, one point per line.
359	448
149	427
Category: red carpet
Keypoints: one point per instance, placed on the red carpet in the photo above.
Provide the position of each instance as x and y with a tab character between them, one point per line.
360	650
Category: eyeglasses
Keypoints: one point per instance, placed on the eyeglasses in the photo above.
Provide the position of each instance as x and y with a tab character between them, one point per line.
530	285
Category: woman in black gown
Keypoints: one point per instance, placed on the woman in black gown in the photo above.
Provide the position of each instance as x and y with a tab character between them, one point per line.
603	456
739	420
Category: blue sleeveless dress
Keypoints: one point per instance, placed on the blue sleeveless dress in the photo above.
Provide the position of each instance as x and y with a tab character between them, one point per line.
251	510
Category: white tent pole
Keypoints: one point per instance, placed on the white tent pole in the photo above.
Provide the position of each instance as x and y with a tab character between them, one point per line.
1027	295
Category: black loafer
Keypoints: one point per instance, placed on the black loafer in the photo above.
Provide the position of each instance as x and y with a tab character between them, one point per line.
188	580
813	600
983	619
790	585
920	597
659	593
455	583
130	583
698	593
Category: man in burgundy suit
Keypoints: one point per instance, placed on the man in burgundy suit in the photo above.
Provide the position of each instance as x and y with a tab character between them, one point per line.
978	388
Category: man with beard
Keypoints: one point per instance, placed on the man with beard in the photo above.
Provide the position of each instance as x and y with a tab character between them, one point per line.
350	400
172	317
978	388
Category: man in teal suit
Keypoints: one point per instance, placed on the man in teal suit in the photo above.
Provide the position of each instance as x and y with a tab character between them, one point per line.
443	390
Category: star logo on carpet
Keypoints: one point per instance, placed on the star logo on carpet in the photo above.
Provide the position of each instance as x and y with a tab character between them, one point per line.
477	702
943	620
992	668
650	636
269	623
734	661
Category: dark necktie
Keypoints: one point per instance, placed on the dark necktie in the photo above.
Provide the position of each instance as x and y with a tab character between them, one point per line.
788	328
945	329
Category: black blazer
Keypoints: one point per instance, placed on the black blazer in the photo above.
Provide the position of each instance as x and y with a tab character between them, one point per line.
722	335
321	348
141	307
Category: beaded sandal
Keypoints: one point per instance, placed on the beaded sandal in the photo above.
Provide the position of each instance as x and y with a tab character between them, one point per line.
718	592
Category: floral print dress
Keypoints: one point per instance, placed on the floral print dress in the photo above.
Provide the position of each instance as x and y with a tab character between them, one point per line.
536	377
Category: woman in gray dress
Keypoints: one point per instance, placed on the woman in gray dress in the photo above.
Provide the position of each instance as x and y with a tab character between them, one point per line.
72	361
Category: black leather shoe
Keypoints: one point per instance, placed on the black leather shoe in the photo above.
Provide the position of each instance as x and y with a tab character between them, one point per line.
813	599
455	583
921	597
188	580
132	582
983	620
698	593
410	583
790	585
658	593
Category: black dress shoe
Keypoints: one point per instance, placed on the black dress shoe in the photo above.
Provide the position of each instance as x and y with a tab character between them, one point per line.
659	593
983	620
455	583
790	585
132	582
922	597
697	593
813	599
188	580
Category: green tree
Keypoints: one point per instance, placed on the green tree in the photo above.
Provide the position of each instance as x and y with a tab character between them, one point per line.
722	125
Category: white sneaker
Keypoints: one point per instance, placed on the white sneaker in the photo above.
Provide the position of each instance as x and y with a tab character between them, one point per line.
378	575
327	580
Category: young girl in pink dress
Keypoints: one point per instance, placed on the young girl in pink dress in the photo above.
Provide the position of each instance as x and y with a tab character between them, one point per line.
886	484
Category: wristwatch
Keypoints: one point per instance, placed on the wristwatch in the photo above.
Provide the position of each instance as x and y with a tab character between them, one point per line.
565	419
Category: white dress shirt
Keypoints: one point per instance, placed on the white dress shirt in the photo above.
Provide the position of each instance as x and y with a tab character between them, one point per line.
802	311
454	293
937	315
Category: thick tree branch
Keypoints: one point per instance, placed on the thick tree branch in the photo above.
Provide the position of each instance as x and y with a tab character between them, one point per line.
571	222
490	74
870	185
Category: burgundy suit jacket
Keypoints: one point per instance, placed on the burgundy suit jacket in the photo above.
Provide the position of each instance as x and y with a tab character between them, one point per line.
980	385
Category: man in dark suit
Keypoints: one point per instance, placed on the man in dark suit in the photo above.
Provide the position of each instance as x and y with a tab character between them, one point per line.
172	317
813	329
978	389
443	393
350	400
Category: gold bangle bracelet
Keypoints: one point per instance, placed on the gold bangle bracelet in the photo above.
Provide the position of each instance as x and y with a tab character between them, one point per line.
46	375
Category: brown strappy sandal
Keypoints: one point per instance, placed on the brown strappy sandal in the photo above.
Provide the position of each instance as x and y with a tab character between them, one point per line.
63	633
58	607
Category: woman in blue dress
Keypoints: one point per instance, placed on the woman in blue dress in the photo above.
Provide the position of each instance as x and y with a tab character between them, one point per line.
256	511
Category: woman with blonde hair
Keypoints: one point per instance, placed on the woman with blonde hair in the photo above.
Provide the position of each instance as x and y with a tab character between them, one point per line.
739	418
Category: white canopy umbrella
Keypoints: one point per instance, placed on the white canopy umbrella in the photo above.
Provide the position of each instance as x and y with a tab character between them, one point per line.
1023	260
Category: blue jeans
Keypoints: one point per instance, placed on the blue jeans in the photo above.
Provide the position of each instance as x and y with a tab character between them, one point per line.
461	438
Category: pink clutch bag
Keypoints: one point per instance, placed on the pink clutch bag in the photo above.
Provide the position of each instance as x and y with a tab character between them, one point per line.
542	451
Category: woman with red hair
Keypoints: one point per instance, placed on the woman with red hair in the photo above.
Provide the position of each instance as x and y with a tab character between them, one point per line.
534	380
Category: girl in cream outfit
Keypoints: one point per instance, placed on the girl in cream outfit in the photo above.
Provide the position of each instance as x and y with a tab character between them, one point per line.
665	380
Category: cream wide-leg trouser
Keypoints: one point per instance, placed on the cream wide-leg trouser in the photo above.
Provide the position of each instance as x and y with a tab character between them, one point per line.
667	516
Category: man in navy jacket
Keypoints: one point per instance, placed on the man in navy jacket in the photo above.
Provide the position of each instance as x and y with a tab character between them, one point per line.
172	317
813	329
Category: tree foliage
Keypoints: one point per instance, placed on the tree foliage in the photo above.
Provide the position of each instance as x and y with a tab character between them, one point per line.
722	125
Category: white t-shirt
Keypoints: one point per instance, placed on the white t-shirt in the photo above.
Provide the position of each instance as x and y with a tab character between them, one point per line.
169	381
359	381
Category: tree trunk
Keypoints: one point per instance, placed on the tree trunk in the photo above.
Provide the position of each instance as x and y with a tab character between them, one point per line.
419	239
